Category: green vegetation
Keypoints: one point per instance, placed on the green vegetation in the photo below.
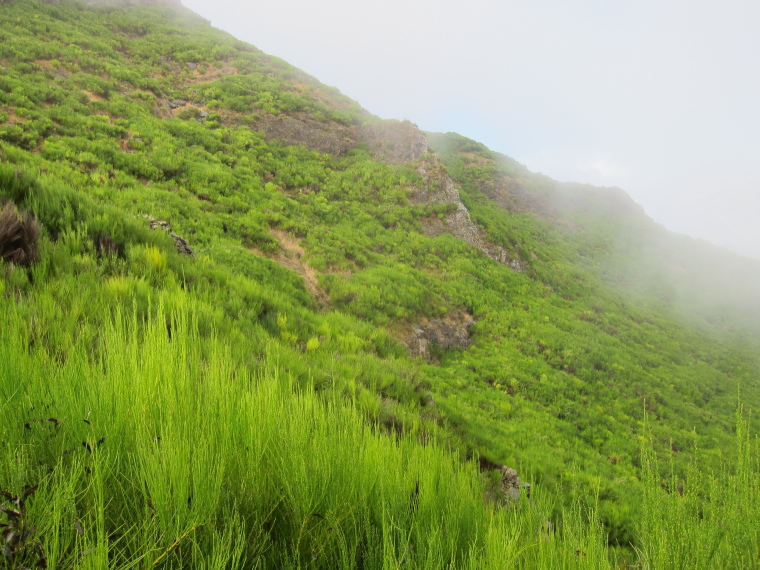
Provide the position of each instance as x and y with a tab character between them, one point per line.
254	405
604	232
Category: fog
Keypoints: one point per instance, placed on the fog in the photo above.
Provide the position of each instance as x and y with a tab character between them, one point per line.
659	97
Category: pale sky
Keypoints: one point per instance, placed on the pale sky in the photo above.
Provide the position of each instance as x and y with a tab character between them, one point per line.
658	97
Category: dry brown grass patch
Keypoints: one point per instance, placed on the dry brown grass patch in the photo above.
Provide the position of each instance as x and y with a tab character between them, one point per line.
290	257
44	64
92	96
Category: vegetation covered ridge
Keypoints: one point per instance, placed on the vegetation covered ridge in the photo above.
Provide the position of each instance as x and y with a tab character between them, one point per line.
361	338
610	235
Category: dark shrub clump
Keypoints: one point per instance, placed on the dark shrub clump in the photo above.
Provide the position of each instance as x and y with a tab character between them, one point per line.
19	233
105	245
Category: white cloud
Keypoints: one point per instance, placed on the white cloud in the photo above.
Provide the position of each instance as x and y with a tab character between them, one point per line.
607	169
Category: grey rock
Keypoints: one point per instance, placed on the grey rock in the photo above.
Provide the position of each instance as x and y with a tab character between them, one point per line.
182	246
394	142
439	188
511	483
452	333
302	129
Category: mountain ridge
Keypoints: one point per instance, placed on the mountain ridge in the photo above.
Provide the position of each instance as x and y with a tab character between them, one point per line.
124	3
356	283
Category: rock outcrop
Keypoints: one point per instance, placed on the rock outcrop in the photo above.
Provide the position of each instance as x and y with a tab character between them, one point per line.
302	129
393	142
182	246
450	333
509	486
439	189
511	483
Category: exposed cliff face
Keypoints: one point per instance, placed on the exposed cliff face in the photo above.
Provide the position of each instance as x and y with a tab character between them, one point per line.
402	142
302	129
440	189
394	142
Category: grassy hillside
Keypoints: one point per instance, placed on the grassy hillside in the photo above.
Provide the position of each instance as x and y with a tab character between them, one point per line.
611	236
336	374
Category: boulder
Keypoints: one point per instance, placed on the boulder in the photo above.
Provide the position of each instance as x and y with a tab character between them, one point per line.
511	483
182	246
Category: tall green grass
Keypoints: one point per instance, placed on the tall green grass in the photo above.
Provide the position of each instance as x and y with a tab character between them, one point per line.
153	449
153	446
709	519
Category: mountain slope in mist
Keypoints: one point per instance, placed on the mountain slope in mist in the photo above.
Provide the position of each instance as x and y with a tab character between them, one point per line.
372	324
614	238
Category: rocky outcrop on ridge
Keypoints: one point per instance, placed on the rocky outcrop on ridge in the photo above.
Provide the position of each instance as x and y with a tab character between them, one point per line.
439	189
302	129
402	142
393	142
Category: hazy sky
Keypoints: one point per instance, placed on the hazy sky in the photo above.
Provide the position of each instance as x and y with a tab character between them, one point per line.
661	98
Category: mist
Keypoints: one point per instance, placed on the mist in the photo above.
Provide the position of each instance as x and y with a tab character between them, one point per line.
658	98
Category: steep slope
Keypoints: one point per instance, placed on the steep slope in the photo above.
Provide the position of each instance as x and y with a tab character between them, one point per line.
612	236
330	248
